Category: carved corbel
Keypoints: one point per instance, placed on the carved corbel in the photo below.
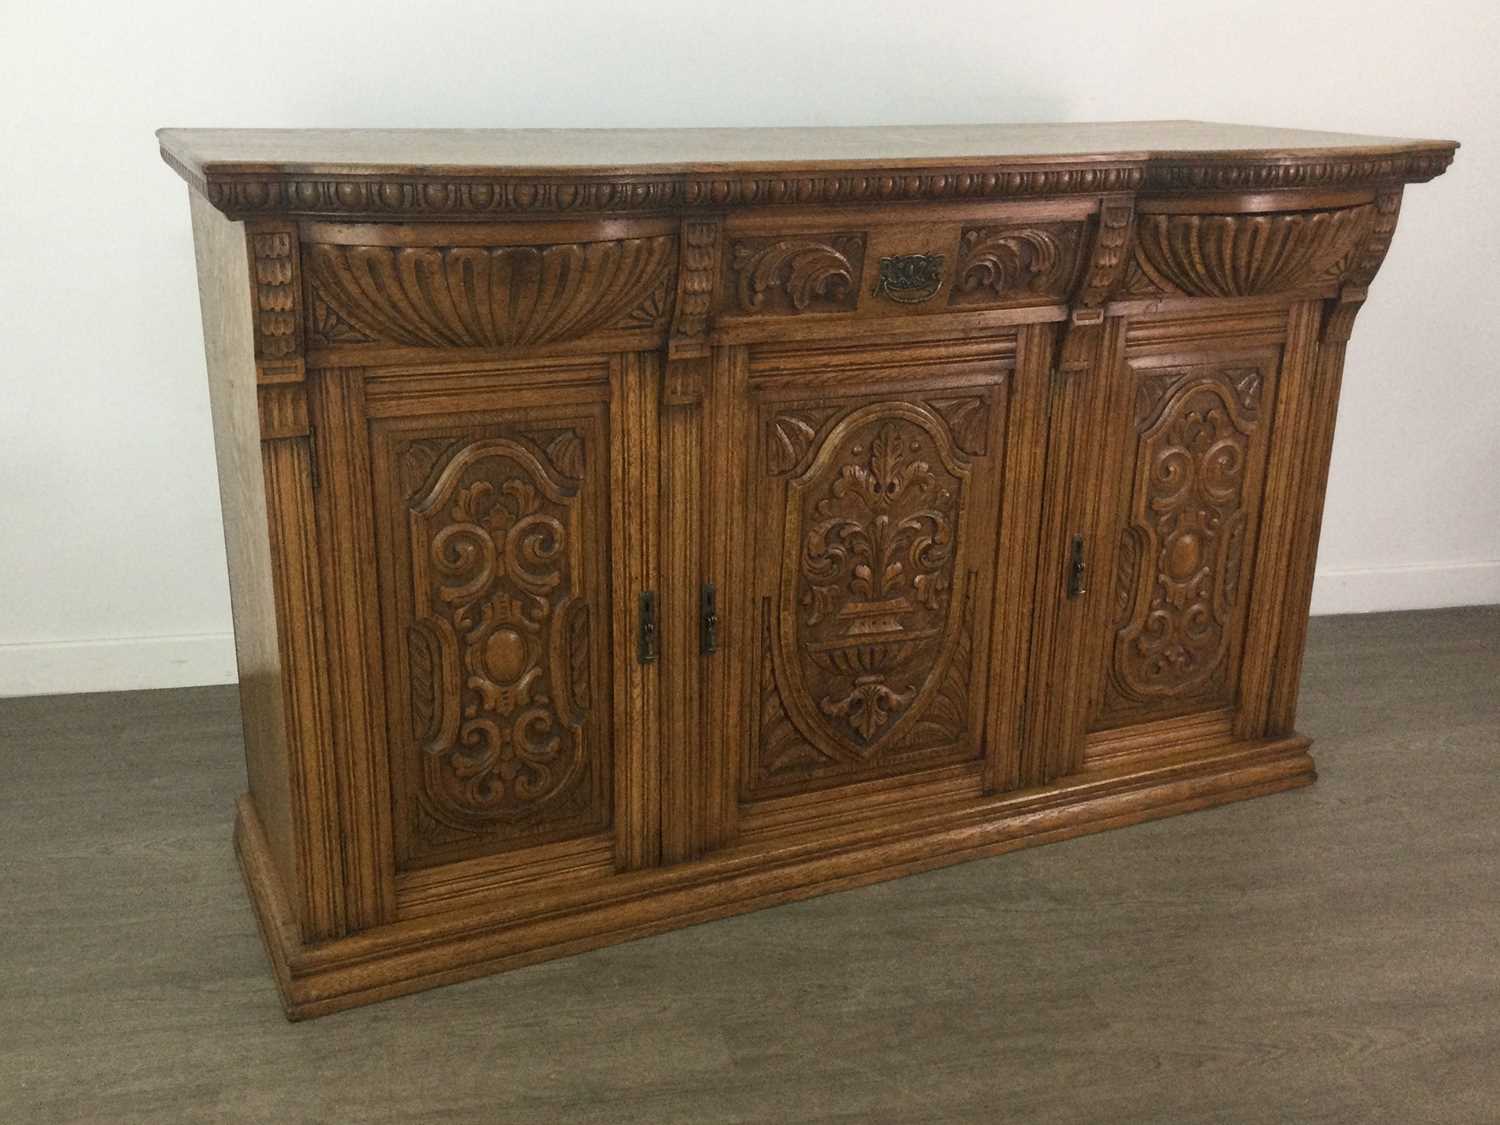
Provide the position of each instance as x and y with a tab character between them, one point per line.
276	290
1101	279
276	319
1364	263
688	341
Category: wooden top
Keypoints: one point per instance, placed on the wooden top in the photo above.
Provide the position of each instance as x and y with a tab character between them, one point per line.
323	171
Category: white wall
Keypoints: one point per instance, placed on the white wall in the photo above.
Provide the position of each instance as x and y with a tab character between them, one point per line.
111	563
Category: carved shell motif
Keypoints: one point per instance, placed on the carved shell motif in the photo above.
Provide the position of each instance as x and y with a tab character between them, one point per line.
486	296
1243	255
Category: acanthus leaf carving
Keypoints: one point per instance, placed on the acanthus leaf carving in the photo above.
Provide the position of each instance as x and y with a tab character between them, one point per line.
968	421
868	610
1008	264
790	434
798	273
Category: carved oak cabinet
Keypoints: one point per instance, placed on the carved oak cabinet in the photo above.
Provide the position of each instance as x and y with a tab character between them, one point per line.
627	529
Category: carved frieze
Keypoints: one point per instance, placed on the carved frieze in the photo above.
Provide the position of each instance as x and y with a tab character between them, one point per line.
486	296
797	273
1247	255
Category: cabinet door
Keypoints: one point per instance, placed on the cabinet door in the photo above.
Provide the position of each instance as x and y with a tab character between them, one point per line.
490	505
876	579
1192	445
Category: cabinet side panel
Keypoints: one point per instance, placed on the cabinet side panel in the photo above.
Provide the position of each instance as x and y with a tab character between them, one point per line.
224	294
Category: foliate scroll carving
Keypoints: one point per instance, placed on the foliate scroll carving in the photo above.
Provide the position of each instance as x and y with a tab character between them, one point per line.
968	421
1016	264
1242	255
790	435
277	322
482	296
498	663
869	609
1182	552
797	274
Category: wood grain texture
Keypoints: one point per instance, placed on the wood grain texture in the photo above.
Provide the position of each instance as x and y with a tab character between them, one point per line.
1323	956
1004	467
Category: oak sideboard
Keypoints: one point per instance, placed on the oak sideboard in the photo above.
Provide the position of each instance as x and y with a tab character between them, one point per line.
631	528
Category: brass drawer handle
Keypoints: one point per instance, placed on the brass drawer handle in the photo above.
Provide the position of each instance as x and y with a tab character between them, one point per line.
910	278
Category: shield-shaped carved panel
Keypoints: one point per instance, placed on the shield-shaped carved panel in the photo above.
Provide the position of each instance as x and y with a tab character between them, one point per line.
872	580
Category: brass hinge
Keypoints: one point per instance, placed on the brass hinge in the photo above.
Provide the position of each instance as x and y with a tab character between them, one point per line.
1077	571
708	619
312	457
646	637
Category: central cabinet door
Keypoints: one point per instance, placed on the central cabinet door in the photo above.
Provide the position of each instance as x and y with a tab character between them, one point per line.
878	561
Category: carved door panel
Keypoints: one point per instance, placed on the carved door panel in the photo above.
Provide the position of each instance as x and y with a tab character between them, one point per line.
492	523
1166	633
865	583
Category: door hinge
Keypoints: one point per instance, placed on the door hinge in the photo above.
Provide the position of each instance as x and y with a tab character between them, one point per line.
708	618
646	638
1077	571
312	457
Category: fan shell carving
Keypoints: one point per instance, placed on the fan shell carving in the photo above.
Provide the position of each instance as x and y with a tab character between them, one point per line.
1243	255
487	296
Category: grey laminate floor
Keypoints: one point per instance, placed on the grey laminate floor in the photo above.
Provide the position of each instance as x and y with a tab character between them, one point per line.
1326	955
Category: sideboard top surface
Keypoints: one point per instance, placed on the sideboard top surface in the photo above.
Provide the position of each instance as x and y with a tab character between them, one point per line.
251	172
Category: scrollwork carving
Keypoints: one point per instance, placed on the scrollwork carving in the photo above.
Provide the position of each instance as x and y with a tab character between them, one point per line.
497	622
1180	557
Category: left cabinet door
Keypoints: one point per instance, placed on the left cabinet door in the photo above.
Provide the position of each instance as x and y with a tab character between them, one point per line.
482	517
